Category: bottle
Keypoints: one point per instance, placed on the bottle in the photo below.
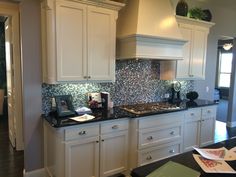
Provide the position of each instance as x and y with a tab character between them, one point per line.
182	8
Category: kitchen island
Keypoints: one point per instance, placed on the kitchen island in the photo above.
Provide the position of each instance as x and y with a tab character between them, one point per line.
187	160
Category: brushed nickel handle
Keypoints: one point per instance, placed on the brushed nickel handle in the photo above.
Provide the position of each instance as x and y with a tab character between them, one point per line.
82	133
115	127
150	138
171	151
172	133
149	157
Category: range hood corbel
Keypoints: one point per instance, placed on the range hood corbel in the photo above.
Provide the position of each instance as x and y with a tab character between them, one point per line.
147	29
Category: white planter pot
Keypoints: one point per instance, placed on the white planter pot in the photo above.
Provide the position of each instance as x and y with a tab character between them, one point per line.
1	101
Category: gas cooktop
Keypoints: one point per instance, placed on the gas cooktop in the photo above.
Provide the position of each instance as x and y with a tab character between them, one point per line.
152	108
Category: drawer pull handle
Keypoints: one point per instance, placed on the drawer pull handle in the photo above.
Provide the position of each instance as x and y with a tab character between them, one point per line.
150	138
115	127
171	151
192	114
82	133
172	133
149	157
209	111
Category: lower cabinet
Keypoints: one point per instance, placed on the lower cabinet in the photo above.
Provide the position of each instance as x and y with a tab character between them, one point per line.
155	137
199	127
88	150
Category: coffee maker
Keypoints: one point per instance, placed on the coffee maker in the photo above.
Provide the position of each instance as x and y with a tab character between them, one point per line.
175	93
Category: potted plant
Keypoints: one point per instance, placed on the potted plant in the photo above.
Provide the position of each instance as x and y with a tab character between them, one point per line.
196	13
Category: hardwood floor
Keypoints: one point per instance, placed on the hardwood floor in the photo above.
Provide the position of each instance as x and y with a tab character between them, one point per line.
222	132
11	161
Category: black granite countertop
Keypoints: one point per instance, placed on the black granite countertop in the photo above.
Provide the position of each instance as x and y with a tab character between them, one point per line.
118	113
187	160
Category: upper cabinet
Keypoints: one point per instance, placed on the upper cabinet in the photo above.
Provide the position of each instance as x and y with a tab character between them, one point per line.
192	67
196	33
79	40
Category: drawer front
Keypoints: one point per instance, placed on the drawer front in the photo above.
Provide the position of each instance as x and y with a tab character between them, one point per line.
160	152
161	119
209	112
160	135
114	126
193	114
81	132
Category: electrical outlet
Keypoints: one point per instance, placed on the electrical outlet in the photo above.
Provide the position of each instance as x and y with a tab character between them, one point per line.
167	95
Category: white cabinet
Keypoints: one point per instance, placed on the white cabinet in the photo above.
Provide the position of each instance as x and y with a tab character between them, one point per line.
199	127
114	148
155	137
196	33
79	40
88	150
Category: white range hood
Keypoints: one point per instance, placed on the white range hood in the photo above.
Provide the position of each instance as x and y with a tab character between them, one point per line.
147	29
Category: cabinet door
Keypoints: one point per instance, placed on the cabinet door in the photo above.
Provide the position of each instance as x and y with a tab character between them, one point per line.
199	42
71	41
101	43
192	128
208	126
183	66
114	152
81	158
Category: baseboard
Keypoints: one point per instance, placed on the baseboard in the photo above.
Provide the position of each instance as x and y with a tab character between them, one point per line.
231	124
35	173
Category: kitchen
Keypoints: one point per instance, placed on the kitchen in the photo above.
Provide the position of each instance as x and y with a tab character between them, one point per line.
33	136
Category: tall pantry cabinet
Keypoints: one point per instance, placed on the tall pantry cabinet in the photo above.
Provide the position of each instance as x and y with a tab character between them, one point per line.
79	40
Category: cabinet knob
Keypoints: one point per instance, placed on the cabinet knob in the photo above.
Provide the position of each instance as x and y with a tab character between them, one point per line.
149	157
192	114
89	77
208	111
82	133
97	141
115	127
172	133
102	140
150	138
171	151
85	77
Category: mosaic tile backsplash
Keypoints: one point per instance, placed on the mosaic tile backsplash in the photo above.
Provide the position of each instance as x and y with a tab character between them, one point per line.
137	81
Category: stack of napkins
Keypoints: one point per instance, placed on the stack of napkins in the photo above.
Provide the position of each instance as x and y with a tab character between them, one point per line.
173	169
82	118
213	160
83	110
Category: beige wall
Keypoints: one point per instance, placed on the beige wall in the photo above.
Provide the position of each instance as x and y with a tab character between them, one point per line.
32	99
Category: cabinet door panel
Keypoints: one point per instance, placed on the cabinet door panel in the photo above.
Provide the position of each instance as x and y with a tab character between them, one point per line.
114	152
183	66
71	41
81	158
101	43
207	131
198	54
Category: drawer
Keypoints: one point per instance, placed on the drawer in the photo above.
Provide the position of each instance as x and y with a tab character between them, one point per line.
193	114
209	112
114	126
159	152
160	135
81	132
161	119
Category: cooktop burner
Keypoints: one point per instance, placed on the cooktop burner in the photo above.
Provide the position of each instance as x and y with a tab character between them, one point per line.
149	108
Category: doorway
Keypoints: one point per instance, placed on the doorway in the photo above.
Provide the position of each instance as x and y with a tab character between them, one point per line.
9	14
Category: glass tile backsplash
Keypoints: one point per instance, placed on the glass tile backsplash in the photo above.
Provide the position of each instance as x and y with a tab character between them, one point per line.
137	81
